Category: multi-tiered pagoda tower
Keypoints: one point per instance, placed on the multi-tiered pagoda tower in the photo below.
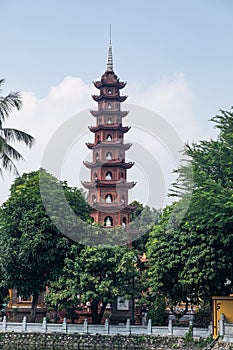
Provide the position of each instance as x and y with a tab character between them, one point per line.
108	188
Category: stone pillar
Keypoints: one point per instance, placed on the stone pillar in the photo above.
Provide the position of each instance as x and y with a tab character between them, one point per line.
64	325
221	325
128	331
44	325
4	325
24	324
85	326
106	326
191	327
170	328
149	327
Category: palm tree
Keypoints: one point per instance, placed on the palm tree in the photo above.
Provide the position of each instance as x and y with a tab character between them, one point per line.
9	154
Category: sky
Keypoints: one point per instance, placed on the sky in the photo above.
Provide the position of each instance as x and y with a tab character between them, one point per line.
176	57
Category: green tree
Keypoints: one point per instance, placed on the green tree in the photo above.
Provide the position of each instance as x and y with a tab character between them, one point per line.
8	135
191	257
98	275
32	249
143	219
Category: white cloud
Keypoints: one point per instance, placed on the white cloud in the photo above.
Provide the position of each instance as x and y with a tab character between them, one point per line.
173	99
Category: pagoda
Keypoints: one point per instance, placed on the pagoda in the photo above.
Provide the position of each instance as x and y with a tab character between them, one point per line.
108	186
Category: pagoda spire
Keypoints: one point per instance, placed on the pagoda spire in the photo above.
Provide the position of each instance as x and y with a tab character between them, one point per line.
110	59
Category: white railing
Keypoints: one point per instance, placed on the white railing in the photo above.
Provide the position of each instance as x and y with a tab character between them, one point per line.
86	328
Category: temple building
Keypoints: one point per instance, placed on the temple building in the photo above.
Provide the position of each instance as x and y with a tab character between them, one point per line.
108	186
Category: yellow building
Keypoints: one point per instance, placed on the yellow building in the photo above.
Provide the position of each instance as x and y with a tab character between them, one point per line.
221	305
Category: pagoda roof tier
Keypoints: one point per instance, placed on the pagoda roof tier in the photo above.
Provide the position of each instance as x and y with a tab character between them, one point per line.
109	127
109	78
109	183
107	144
110	207
109	163
108	112
109	97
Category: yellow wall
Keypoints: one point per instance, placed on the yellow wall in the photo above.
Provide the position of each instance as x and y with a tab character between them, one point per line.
222	305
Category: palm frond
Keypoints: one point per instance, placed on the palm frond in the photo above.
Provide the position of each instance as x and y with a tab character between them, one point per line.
9	103
2	81
10	151
17	135
8	164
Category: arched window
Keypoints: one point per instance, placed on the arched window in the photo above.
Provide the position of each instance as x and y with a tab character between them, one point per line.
123	199
109	91
92	219
109	121
124	221
109	137
108	221
109	175
109	156
95	176
93	198
108	198
98	138
122	175
109	106
96	155
121	156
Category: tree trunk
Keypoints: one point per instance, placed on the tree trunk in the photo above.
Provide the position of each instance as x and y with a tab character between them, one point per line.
101	314
95	315
35	297
94	311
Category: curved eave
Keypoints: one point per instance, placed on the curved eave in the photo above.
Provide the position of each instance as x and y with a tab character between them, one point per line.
111	163
109	112
107	207
112	144
108	183
109	97
110	127
106	83
110	207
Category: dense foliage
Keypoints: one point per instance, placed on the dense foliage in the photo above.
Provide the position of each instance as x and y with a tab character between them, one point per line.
32	249
191	255
98	275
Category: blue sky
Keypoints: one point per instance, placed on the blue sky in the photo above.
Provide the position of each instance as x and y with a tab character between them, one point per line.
175	54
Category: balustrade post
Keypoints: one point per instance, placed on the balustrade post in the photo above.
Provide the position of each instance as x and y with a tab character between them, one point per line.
24	324
64	325
170	327
106	326
128	330
85	326
44	325
4	324
149	327
221	325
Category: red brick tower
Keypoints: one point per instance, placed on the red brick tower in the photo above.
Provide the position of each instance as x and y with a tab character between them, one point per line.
108	187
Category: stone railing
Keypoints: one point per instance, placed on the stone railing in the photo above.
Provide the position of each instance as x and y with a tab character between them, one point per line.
85	328
225	329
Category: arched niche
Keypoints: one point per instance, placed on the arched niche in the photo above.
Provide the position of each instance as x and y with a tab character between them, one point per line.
108	198
108	221
109	156
108	175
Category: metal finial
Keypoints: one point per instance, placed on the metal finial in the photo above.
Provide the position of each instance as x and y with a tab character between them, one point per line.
110	35
110	59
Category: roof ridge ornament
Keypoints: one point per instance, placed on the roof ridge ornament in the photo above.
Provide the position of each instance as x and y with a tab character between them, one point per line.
110	59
